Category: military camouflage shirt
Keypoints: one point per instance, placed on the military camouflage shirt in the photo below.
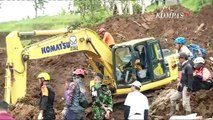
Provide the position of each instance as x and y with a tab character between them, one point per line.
102	101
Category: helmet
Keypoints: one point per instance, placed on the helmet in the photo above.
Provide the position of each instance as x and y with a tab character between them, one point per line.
80	72
101	30
44	75
199	60
180	40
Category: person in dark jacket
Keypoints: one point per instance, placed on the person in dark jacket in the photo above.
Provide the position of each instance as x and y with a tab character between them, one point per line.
47	97
185	85
74	110
4	115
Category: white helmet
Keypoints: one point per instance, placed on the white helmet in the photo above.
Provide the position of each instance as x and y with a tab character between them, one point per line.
199	60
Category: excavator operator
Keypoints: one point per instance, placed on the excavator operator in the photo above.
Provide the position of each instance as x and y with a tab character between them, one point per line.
47	97
107	37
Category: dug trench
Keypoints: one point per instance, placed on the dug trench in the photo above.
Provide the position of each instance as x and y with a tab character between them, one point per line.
124	28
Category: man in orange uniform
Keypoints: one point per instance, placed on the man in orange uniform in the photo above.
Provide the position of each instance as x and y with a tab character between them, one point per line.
107	37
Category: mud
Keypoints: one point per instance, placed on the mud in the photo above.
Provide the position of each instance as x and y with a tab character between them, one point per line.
123	28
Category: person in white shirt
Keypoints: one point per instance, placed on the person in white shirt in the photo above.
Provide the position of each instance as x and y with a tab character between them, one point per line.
136	105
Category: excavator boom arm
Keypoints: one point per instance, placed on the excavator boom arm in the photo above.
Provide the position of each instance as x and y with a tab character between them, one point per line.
64	41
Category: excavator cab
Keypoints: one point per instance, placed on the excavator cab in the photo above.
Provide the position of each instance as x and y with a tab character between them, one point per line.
141	60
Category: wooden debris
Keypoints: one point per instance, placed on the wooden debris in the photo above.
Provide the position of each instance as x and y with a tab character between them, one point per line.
120	35
145	26
136	23
200	27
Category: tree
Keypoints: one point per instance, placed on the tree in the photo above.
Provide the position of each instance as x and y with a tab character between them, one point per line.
88	6
39	4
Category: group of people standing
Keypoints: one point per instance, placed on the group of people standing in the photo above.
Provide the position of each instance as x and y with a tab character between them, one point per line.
75	99
192	76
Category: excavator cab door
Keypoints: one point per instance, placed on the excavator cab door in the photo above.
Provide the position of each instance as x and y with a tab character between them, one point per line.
157	61
123	65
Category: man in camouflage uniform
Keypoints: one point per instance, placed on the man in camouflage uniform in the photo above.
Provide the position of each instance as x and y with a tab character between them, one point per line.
102	99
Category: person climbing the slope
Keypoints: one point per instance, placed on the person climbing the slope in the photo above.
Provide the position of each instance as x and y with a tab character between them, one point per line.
107	37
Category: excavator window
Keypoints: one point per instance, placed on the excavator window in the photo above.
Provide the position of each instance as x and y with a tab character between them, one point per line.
124	65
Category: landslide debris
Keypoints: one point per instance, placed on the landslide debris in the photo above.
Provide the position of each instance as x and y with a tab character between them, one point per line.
123	28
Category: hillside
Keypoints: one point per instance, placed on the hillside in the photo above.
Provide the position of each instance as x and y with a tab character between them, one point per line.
124	28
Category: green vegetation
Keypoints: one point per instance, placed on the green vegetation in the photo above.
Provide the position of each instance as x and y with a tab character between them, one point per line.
39	23
83	17
54	22
195	5
152	8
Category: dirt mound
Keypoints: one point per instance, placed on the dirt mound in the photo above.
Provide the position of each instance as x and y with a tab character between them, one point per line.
23	111
123	28
200	103
2	71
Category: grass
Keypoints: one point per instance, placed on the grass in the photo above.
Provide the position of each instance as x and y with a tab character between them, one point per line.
54	22
195	5
151	8
192	5
40	23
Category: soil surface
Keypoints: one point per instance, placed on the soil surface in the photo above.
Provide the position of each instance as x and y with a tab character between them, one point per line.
123	28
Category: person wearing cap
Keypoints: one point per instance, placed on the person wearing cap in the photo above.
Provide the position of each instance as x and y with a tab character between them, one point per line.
102	99
74	109
4	115
136	105
202	76
184	86
107	37
47	97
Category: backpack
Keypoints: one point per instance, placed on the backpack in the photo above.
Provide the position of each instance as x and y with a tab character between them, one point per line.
82	98
83	102
197	51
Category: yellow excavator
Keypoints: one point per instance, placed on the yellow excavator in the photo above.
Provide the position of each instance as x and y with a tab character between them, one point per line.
117	63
